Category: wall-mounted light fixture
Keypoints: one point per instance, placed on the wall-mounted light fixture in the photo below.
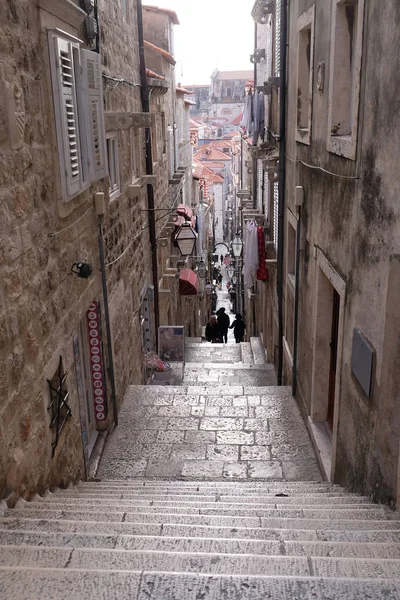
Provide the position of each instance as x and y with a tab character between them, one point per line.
82	269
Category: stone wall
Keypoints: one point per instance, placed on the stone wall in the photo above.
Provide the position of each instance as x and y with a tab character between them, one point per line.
42	302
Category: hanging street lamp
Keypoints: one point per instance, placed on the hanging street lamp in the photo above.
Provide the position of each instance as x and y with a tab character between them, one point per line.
230	271
186	238
237	245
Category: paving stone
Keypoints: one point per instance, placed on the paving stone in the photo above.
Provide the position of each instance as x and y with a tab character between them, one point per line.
170	437
155	423
188	451
240	401
256	424
202	468
255	453
219	402
235	470
265	470
174	411
183	423
200	437
234	411
220	424
119	468
222	452
189	400
197	411
212	411
234	437
164	468
300	470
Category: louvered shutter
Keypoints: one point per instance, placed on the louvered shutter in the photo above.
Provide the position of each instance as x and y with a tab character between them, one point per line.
277	38
91	65
170	151
68	125
276	203
266	198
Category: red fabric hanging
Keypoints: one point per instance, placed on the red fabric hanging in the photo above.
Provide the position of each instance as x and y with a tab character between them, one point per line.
262	273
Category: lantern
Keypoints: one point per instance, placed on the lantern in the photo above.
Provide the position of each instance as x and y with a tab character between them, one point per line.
237	245
186	238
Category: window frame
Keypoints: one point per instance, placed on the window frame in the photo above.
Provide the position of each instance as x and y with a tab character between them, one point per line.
113	169
305	23
345	145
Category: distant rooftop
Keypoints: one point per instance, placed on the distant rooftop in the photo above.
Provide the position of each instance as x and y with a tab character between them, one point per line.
171	14
233	75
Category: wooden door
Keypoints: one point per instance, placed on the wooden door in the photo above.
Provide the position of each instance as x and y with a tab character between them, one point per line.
333	362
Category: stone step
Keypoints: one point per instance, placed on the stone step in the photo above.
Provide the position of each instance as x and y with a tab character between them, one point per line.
277	520
231	368
312	501
365	511
212	563
258	351
314	486
63	584
295	529
364	549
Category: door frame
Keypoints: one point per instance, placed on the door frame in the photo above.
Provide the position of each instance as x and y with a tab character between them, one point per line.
322	306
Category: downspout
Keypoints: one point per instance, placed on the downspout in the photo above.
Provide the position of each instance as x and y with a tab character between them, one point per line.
107	320
282	176
296	304
145	98
255	135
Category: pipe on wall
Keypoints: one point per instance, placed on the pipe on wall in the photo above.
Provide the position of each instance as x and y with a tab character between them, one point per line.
145	98
282	182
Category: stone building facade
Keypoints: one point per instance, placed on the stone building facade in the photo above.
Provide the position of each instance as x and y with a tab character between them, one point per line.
341	223
72	147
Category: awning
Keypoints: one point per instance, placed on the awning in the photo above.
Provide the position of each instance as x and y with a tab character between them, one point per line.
185	211
188	283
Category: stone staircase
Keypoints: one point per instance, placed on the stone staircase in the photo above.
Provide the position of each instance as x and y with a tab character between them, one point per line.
207	490
174	540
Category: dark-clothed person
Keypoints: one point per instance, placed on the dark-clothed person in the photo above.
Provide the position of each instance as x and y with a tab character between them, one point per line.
238	327
213	333
223	322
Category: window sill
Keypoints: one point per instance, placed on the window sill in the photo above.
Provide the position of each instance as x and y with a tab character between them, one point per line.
342	145
303	135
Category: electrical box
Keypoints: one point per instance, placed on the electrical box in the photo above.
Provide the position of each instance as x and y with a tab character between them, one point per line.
299	195
99	203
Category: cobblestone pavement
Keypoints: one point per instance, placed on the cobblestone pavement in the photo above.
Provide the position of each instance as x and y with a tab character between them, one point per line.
224	421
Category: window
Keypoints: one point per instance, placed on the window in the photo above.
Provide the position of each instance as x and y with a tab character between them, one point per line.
134	157
163	137
78	106
276	205
125	10
345	68
291	254
171	158
113	165
305	60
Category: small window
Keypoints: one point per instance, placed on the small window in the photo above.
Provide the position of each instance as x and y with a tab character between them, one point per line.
134	157
305	60
344	85
163	134
113	165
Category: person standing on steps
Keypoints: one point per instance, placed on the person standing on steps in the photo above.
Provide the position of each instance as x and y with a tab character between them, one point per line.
213	332
223	323
221	258
238	327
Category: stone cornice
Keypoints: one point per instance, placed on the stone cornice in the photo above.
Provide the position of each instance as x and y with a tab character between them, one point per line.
261	8
65	10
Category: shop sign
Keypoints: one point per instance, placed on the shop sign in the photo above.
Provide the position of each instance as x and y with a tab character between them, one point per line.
96	361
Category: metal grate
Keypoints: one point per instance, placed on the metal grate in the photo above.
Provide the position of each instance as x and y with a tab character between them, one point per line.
58	407
72	137
277	38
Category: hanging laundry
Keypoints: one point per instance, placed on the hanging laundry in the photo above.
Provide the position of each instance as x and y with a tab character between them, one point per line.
251	255
262	273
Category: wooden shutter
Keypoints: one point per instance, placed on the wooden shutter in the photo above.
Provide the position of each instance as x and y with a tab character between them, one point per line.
276	207
65	104
95	129
176	142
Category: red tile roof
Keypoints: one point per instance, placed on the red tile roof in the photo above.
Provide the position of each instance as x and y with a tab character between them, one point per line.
231	134
182	90
171	14
237	120
202	172
209	153
165	54
153	74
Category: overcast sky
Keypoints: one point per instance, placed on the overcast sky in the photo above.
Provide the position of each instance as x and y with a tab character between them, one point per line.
212	34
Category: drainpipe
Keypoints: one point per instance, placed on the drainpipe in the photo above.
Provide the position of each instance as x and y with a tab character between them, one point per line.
144	94
282	175
107	320
255	139
296	305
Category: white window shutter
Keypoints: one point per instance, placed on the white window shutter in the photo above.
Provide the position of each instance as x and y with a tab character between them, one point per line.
91	64
176	141
67	118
